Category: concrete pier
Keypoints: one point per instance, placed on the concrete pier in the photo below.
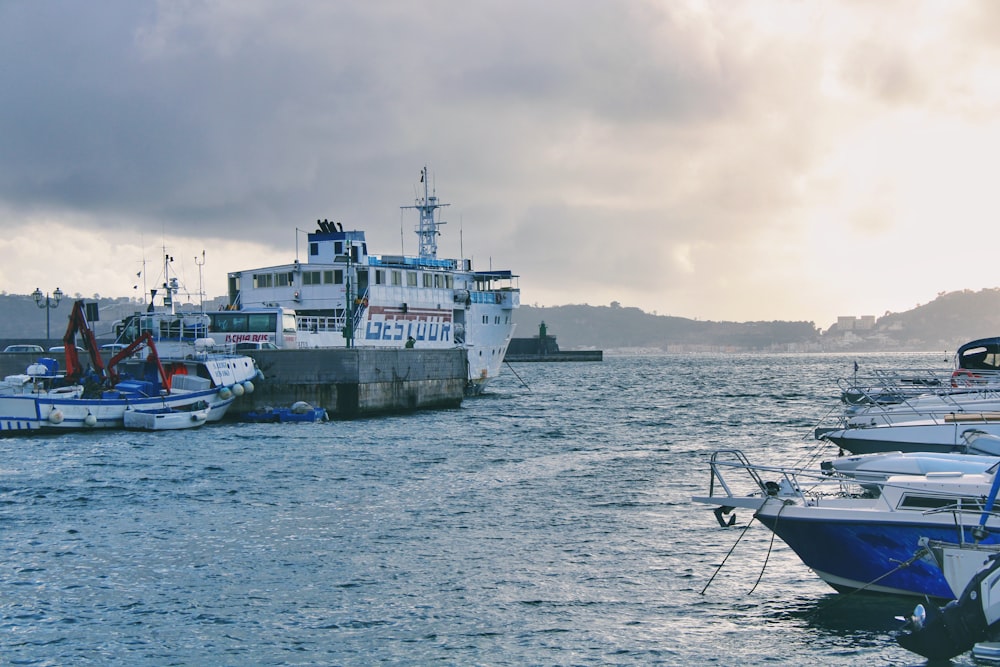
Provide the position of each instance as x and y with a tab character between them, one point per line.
358	382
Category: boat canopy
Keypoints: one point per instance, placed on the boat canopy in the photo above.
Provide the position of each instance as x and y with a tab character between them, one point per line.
980	355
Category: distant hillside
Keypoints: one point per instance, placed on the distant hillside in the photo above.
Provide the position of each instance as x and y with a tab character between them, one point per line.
615	327
943	324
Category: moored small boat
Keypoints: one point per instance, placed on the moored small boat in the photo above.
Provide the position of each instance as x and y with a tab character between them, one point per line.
300	411
165	419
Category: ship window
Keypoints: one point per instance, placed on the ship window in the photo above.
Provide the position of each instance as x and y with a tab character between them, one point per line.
397	278
912	502
449	281
328	277
284	279
338	247
263	280
313	249
310	277
486	319
411	279
338	277
261	322
380	277
428	280
437	280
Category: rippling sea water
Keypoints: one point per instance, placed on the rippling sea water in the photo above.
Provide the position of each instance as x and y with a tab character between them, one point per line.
546	524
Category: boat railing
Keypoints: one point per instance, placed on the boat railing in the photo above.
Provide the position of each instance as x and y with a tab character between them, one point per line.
782	482
896	389
314	324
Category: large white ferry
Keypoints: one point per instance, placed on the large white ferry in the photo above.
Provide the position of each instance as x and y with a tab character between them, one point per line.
343	296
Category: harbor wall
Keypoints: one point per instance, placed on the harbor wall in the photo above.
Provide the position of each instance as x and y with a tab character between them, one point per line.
561	355
347	383
358	382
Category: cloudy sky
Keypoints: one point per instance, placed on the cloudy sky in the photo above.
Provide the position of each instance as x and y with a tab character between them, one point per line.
715	160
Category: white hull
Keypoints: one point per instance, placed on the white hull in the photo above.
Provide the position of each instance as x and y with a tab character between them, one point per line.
928	435
45	413
165	420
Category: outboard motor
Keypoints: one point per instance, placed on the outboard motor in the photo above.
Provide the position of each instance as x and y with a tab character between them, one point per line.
942	633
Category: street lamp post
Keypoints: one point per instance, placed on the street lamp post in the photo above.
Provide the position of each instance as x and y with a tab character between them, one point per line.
48	303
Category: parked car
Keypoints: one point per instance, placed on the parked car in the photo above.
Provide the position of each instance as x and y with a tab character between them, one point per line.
111	349
24	348
62	348
256	346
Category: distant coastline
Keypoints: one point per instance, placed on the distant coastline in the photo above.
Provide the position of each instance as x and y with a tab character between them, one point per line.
941	325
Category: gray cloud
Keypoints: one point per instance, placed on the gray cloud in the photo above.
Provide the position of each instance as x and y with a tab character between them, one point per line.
686	150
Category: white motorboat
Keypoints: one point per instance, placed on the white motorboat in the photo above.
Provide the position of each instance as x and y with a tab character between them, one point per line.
920	411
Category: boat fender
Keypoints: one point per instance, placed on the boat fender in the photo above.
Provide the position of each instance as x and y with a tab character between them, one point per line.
238	389
300	408
963	377
56	416
225	394
90	420
248	386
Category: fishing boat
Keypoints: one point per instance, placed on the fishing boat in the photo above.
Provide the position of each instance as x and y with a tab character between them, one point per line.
166	419
47	398
344	296
865	532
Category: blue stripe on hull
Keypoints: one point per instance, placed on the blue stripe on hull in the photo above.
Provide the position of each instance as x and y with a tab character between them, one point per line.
866	552
15	425
868	446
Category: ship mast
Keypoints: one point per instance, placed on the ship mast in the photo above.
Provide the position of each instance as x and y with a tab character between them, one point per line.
427	232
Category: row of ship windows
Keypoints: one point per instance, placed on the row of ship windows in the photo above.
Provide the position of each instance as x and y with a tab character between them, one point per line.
496	319
336	277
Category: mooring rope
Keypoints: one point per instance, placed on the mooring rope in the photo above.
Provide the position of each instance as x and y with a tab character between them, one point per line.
523	383
731	550
770	546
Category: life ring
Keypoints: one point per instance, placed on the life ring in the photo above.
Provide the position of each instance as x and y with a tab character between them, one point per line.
963	377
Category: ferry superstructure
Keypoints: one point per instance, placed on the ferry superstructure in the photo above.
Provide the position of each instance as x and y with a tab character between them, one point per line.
343	296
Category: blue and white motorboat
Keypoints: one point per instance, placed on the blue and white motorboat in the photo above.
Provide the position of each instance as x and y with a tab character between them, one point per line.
343	296
138	378
865	532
